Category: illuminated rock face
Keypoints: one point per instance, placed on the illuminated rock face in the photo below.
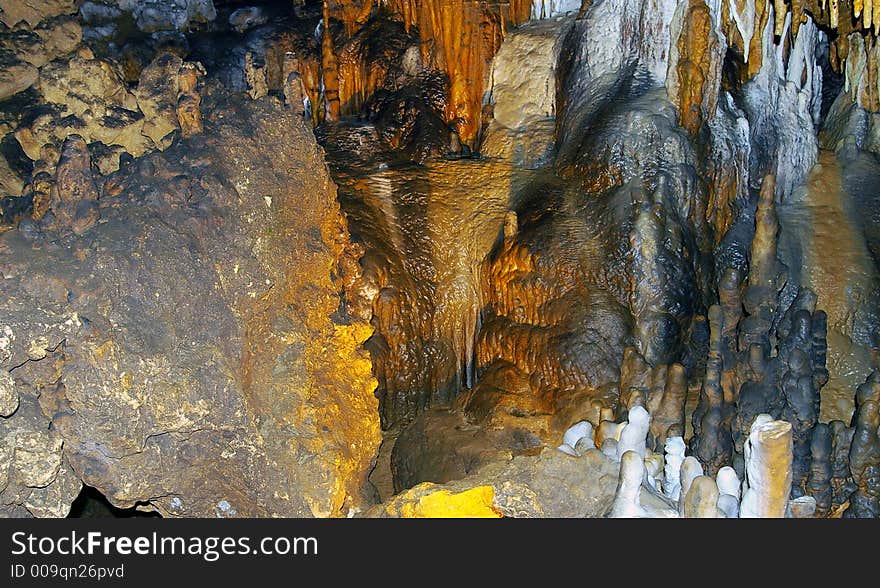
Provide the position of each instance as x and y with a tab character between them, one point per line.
183	348
458	38
522	101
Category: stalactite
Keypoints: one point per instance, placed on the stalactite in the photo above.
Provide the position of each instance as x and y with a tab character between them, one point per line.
329	71
694	76
459	38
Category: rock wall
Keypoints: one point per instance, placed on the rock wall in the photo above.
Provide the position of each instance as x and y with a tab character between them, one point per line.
168	345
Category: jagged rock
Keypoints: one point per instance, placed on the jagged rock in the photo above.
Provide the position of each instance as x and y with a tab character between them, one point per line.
35	478
51	39
156	96
550	484
230	392
33	12
8	395
15	74
82	84
244	18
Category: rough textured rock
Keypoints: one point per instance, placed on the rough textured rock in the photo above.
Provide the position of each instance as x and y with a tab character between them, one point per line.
550	484
88	97
33	12
157	15
439	446
15	74
179	352
522	100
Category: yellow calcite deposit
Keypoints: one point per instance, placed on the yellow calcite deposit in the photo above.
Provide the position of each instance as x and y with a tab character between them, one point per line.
425	501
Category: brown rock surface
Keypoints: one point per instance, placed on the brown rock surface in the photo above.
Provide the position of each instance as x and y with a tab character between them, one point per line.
180	351
550	484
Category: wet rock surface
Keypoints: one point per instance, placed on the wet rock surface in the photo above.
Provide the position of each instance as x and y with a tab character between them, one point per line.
196	395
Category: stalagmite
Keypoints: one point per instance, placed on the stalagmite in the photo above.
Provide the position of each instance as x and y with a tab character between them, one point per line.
841	479
255	76
576	433
671	410
189	114
819	480
729	492
701	501
690	471
634	434
294	93
672	471
802	508
74	194
608	448
711	442
768	469
864	453
654	469
634	380
608	430
728	482
626	499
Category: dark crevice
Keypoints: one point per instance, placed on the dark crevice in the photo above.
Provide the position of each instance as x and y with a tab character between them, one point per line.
92	504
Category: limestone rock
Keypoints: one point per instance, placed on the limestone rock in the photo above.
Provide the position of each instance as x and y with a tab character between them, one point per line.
33	12
162	15
550	484
156	95
35	478
695	60
15	74
440	446
10	183
8	395
83	84
185	354
523	99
